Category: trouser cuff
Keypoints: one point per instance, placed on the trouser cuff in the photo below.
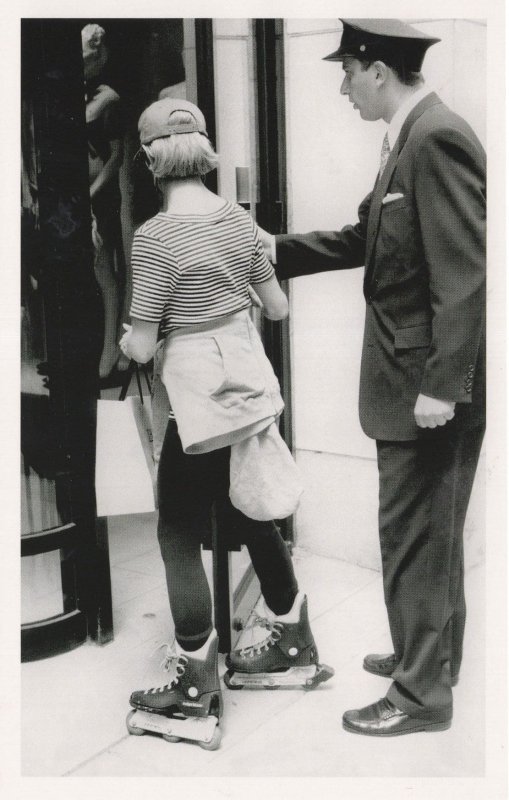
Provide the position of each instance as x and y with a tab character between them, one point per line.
441	714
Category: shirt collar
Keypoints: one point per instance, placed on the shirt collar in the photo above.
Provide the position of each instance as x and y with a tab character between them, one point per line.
402	113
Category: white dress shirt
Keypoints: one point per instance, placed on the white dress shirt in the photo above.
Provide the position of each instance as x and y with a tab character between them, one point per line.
402	113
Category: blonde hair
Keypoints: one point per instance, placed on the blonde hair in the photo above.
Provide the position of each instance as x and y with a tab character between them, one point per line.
181	155
93	47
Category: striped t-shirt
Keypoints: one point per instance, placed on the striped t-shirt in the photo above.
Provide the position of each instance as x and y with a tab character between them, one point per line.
193	268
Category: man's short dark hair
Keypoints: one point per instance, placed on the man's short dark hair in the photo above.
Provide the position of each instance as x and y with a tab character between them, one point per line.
404	75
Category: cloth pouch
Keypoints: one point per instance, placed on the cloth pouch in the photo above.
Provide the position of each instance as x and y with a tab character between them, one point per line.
265	482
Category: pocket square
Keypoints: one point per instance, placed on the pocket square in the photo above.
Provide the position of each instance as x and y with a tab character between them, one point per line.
390	198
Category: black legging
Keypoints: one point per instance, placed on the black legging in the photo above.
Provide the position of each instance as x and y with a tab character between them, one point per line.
187	487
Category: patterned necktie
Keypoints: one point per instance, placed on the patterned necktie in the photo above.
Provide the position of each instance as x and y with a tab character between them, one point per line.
384	155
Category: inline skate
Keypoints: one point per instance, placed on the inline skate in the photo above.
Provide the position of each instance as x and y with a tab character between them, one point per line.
190	706
286	657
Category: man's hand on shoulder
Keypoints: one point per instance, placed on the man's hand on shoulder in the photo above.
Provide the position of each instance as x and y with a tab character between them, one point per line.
430	412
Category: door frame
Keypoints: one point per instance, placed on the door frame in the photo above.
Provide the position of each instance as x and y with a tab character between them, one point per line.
271	210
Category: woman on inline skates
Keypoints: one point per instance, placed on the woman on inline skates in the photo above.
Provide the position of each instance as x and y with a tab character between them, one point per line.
193	264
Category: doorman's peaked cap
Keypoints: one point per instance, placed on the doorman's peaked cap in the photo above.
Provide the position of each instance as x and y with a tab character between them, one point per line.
376	39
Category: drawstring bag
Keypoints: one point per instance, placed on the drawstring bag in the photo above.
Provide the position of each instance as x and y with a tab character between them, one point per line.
265	482
125	470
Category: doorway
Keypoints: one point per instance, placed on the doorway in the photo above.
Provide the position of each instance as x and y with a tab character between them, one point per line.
66	302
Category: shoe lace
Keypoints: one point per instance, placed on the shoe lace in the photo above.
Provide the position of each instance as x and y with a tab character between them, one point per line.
275	632
171	661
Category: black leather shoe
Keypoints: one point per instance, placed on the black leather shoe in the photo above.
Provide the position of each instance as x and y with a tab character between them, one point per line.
384	719
384	666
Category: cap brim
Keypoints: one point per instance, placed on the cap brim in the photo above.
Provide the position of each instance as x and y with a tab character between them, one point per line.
337	55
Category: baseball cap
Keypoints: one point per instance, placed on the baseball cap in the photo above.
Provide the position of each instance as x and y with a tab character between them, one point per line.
155	122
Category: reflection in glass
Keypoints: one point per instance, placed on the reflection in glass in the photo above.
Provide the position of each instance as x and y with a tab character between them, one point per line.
38	446
127	64
41	581
105	134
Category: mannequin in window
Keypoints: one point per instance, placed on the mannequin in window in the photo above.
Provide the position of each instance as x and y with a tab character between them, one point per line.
105	156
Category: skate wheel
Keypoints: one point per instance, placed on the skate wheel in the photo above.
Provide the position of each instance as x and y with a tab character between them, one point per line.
133	729
214	742
228	684
172	739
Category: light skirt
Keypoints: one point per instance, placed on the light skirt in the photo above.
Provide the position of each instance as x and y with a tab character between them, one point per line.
221	385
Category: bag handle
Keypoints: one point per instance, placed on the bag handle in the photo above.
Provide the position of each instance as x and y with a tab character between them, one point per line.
134	367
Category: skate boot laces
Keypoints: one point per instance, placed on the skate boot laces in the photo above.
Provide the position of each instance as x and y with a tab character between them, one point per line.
172	661
275	629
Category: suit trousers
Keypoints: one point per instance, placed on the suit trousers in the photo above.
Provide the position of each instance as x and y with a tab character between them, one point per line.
425	487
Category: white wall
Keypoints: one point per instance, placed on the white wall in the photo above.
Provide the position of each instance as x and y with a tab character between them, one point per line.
333	158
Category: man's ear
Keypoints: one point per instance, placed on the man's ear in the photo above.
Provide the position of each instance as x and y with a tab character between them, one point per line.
381	71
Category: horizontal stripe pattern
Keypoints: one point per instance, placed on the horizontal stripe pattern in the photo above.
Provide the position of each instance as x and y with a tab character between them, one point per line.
193	268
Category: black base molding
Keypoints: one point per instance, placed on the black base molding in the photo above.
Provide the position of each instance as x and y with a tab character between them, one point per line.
54	635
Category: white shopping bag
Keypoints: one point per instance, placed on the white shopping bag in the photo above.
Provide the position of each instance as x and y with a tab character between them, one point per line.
125	470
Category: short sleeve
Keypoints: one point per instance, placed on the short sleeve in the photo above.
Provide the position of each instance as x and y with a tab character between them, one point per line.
155	275
261	268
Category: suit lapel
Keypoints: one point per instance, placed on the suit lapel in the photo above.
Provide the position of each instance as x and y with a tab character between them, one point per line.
382	185
376	202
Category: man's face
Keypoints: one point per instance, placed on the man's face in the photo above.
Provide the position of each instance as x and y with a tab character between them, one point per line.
363	88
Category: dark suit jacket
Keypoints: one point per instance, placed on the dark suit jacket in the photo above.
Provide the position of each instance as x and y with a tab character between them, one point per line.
424	256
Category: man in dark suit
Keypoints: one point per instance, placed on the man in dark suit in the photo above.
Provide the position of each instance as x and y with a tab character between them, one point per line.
421	239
